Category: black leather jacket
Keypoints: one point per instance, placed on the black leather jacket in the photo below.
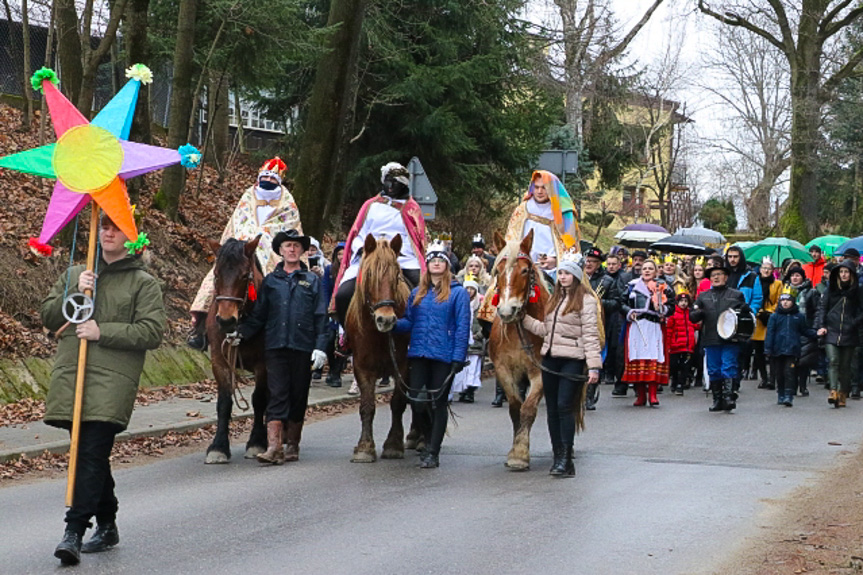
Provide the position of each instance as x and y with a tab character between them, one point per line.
608	291
841	309
707	308
292	310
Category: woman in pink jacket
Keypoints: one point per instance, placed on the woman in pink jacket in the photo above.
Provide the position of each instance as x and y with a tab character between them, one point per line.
571	340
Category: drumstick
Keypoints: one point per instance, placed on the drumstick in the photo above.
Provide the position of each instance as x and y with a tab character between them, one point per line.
62	328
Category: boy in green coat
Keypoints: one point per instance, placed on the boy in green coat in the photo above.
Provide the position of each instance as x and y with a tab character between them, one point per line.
128	319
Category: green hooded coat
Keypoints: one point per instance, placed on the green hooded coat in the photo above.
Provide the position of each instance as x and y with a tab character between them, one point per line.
131	317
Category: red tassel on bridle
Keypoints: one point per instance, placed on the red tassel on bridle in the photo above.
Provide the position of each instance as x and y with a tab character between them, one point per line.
495	299
253	293
534	297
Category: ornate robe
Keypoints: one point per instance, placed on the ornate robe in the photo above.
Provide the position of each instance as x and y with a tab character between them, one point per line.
244	225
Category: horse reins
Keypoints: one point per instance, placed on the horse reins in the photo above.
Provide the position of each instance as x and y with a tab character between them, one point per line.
232	355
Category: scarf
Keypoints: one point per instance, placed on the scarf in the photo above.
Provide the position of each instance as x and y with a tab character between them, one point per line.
561	206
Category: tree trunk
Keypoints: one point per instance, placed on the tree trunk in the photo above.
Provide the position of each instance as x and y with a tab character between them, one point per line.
69	49
238	117
217	117
25	37
331	101
138	52
167	198
800	220
92	58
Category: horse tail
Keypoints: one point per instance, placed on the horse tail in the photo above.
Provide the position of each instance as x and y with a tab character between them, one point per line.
578	408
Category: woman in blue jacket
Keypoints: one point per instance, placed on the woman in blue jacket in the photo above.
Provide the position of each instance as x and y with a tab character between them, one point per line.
438	319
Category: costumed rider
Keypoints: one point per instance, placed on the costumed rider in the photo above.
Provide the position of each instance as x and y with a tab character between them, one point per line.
392	211
266	209
722	355
607	289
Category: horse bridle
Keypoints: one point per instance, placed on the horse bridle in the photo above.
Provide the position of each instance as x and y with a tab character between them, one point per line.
242	300
373	307
231	354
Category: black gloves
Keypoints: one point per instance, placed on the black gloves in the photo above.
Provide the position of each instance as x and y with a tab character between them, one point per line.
745	308
457	366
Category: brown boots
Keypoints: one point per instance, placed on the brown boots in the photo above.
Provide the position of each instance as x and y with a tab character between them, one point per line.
274	454
292	440
836	398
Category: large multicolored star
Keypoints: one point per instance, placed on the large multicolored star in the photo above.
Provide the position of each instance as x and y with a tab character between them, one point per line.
93	160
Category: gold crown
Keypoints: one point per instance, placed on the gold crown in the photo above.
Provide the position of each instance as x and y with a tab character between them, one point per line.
788	289
681	289
669	259
445	236
699	261
469	277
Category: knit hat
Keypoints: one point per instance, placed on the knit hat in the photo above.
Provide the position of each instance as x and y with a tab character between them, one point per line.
275	168
795	269
851	253
571	262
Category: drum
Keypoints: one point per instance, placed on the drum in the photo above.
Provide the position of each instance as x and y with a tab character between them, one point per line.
736	326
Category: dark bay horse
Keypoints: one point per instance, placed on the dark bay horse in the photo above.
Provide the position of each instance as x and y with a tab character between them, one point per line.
379	300
515	278
236	270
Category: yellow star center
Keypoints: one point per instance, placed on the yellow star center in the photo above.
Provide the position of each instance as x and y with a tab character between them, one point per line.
87	158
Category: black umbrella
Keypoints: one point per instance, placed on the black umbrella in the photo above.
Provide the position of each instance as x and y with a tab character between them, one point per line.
685	245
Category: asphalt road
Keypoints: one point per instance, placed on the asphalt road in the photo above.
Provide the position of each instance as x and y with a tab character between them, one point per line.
664	490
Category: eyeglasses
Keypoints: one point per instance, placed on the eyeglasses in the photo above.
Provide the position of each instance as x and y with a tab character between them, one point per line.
438	260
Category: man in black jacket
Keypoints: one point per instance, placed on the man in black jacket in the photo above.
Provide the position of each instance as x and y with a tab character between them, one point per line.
606	288
613	327
292	310
722	354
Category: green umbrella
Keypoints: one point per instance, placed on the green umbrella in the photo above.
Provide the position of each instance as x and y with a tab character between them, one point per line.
778	249
828	244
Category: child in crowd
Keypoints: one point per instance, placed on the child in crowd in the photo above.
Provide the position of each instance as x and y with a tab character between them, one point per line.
467	381
786	327
681	334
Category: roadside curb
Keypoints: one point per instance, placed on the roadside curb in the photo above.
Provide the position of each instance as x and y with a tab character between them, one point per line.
58	447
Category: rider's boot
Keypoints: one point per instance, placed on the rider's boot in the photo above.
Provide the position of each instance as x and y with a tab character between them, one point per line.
198	337
334	377
274	454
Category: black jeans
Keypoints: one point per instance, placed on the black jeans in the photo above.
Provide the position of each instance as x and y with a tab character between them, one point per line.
94	484
429	407
561	397
679	368
784	369
288	379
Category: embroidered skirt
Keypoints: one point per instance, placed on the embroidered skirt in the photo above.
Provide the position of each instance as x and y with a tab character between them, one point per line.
649	346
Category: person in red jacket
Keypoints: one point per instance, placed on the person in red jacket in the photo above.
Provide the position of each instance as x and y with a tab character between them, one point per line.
815	268
681	335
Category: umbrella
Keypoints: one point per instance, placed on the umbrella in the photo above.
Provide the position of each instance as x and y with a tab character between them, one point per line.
641	235
744	245
856	243
779	249
677	244
828	244
703	235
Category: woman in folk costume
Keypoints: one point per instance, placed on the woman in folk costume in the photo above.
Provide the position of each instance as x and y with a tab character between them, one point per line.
646	355
771	289
266	209
392	211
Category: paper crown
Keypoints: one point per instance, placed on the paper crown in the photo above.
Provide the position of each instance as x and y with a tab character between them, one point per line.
573	256
478	240
680	290
470	280
789	290
436	249
766	261
444	236
699	261
669	259
274	168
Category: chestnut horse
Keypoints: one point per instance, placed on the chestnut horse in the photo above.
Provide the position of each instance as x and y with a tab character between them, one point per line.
515	278
379	300
236	270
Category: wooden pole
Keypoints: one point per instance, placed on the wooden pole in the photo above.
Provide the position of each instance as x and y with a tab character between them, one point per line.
82	366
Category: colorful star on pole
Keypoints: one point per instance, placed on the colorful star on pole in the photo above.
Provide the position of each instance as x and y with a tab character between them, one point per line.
93	160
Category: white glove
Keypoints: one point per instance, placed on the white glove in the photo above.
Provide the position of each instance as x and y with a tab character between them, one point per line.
234	338
318	359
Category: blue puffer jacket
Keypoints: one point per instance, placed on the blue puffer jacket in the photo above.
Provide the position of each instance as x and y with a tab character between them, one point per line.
785	330
439	331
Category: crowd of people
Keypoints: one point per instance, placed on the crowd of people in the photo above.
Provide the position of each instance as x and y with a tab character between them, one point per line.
633	320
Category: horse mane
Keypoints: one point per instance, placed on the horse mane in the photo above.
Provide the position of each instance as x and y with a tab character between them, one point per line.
376	268
232	254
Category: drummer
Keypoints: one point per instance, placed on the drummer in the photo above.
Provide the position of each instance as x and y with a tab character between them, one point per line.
721	353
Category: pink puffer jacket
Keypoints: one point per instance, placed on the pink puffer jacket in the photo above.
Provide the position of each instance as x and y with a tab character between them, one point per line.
574	335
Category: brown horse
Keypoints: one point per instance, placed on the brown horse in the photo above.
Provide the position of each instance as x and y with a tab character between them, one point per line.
236	269
379	300
515	278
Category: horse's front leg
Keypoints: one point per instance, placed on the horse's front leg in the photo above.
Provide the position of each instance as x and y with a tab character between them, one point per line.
394	446
365	451
519	455
258	437
219	450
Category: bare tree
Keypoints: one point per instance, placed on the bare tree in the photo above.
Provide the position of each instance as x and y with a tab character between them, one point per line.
750	79
801	32
591	40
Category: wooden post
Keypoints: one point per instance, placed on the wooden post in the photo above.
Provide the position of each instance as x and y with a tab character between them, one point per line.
82	365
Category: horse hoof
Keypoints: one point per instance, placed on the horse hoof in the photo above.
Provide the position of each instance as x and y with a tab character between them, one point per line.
411	443
216	457
364	457
517	465
392	453
252	452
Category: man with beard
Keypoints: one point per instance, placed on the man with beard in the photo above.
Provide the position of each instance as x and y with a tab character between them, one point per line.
747	282
606	288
